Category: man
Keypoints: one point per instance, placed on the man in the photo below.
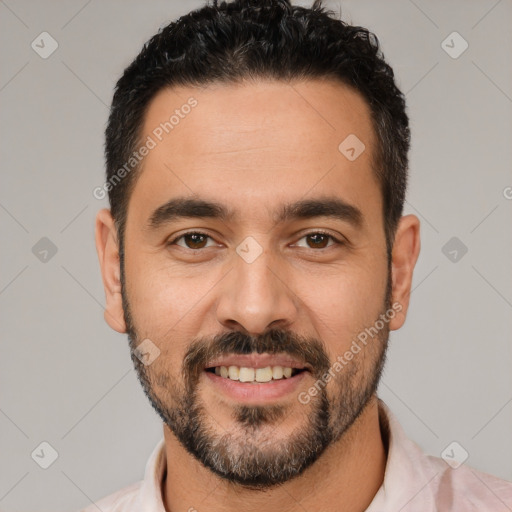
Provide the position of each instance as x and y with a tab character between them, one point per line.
256	255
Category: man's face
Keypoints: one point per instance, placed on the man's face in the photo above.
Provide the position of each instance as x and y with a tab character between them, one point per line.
285	290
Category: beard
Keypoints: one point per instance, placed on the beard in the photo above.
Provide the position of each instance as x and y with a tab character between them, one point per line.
253	454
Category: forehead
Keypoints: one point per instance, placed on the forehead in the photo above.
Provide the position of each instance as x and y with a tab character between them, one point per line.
254	143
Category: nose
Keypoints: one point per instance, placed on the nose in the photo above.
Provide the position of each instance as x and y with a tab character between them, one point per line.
257	296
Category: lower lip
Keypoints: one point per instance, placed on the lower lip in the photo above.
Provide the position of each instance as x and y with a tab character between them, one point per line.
256	392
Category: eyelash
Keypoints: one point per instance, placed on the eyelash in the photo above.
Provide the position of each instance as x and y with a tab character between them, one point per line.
320	232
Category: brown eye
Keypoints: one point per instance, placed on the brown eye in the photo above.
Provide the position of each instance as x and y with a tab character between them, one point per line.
192	240
319	240
195	240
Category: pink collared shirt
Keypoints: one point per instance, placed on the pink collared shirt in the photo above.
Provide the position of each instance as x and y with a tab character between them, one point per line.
413	482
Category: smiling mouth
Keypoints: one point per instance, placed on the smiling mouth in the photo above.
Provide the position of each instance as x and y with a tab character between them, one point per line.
255	375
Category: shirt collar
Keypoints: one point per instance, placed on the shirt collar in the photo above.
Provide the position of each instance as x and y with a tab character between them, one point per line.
150	494
408	471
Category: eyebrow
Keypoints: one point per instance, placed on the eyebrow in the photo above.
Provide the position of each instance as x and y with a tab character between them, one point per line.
185	207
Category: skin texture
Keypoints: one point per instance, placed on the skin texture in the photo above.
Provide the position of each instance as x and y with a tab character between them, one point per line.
254	147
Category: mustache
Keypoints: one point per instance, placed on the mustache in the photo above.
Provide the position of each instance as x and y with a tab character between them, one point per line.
308	350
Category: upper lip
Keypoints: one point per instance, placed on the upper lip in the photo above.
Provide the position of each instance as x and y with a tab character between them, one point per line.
258	361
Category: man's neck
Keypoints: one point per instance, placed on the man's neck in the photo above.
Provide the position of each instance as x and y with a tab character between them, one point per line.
348	474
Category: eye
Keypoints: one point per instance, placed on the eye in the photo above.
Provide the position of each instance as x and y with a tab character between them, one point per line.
320	239
196	240
192	240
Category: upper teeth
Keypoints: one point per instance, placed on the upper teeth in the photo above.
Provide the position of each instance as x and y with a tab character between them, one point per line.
245	374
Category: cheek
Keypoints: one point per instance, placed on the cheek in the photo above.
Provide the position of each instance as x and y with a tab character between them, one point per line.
342	304
163	300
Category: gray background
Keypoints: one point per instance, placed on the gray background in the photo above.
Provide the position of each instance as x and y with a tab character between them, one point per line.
67	379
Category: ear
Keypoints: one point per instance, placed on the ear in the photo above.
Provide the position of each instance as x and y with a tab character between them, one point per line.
108	254
406	250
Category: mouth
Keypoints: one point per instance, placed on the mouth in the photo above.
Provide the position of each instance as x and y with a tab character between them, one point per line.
256	378
255	375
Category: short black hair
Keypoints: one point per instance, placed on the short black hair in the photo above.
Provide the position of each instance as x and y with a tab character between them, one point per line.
231	42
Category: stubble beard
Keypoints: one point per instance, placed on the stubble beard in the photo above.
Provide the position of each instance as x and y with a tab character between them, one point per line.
252	454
